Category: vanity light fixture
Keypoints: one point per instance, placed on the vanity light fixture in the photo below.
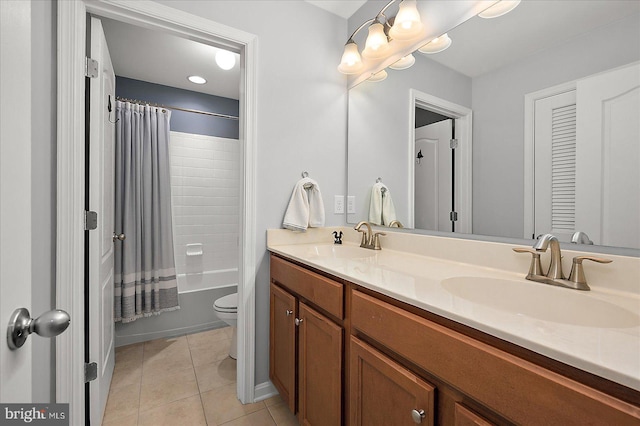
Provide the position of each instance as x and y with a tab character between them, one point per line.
225	59
379	76
403	63
501	8
436	45
405	25
196	79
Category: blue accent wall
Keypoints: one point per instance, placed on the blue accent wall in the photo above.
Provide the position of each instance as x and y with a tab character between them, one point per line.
181	121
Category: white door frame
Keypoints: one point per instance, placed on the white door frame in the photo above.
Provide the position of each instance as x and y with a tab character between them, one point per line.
464	172
529	150
71	178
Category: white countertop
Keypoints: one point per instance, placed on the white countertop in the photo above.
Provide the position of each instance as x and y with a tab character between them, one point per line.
597	331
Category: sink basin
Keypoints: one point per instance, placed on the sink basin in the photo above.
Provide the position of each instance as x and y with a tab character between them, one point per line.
541	301
337	251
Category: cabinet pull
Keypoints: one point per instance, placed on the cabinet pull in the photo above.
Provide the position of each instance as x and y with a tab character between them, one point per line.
288	312
418	415
298	321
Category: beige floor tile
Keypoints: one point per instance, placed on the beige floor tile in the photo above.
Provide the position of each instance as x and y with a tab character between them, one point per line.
282	416
210	351
163	355
123	402
209	336
126	374
273	400
125	421
216	374
186	411
259	418
222	405
163	389
164	347
129	355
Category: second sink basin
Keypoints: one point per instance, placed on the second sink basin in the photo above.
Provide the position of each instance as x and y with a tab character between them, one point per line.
541	301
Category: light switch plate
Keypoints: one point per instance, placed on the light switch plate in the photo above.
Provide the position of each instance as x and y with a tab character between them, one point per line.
351	204
338	204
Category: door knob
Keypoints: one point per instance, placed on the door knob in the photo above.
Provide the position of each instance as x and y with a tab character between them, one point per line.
120	237
21	325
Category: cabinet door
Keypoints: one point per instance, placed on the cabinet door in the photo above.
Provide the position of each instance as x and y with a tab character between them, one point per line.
282	344
385	393
320	369
466	417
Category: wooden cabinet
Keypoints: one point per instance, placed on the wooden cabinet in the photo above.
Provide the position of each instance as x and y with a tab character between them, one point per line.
401	359
382	392
306	313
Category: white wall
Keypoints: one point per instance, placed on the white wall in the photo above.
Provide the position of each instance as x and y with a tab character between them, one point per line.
498	133
205	185
301	117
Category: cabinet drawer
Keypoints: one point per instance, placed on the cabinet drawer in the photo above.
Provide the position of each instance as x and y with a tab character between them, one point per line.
322	292
517	389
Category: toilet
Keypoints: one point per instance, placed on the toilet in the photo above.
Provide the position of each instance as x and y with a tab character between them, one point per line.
226	309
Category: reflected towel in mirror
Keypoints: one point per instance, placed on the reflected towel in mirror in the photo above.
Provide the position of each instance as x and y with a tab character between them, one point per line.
381	208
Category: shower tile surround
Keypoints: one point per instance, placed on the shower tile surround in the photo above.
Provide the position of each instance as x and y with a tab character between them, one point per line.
205	185
182	380
618	280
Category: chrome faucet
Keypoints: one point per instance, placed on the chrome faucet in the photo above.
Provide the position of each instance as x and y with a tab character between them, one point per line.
555	276
370	239
555	268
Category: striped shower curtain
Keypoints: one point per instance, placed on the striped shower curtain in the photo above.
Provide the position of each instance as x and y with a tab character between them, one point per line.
145	272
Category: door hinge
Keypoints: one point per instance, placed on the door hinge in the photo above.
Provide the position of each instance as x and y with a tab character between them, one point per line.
453	216
90	67
453	143
90	372
90	220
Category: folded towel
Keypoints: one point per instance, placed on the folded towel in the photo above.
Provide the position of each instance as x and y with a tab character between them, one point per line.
381	208
306	208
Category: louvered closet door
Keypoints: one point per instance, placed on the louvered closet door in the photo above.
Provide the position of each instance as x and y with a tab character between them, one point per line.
555	165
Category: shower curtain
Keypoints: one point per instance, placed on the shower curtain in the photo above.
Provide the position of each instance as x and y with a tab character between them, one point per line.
145	272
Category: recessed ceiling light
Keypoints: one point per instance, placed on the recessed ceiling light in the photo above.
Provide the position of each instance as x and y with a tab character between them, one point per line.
225	59
196	79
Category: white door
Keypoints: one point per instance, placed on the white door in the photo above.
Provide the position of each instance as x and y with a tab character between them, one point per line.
101	200
608	154
555	165
433	177
15	193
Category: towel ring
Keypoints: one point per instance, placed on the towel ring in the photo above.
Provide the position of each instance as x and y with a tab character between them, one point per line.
379	180
305	174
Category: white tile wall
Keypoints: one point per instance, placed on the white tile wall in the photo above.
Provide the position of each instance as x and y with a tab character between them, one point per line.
205	188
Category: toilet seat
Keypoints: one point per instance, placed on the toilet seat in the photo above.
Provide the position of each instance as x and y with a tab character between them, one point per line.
227	304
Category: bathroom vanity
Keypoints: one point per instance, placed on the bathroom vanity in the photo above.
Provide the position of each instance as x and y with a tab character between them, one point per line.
358	337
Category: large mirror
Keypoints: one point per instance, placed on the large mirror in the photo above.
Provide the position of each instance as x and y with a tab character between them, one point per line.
542	107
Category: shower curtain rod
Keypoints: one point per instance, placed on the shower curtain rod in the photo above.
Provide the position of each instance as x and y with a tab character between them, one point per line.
195	111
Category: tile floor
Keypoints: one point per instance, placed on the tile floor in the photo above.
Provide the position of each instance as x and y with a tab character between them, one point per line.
188	380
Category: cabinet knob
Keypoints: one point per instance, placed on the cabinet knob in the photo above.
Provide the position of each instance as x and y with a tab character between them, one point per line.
298	321
418	415
288	312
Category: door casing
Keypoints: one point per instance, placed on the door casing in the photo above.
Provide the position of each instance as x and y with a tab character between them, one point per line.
71	177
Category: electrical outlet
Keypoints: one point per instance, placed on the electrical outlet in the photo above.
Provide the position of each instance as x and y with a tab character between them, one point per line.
351	204
338	204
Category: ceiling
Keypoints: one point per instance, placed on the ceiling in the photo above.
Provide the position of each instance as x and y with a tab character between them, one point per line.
160	58
342	8
482	45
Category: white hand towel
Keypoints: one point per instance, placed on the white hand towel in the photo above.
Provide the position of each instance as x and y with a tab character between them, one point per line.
388	209
305	208
375	204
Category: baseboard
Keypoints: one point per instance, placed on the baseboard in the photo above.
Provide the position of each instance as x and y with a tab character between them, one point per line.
263	391
166	334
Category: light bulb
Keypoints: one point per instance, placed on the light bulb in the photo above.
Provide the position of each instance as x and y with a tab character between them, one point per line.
436	45
376	45
225	59
407	24
351	62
